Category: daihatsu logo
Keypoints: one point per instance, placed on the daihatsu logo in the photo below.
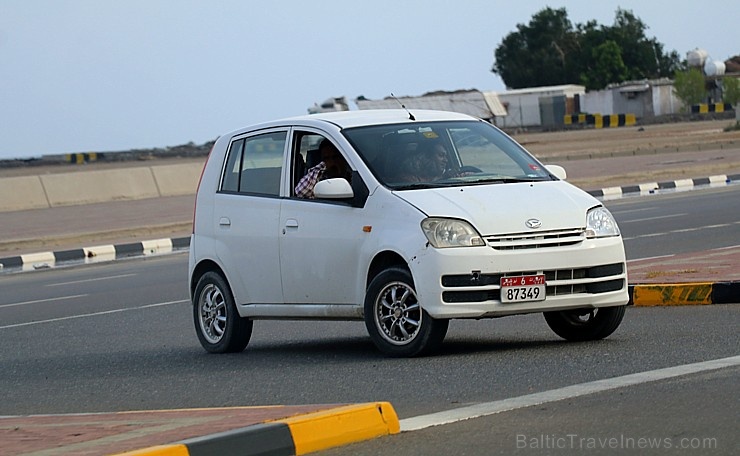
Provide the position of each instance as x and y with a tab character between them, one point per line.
533	223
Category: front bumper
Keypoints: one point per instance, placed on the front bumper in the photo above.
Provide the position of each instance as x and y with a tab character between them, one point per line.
464	282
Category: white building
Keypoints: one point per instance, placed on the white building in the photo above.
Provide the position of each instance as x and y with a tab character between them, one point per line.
539	106
641	98
484	105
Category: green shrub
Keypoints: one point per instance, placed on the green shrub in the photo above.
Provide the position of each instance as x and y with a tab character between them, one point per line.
689	87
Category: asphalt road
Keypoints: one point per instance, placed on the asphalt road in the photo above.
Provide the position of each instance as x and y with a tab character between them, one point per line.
678	222
122	339
687	415
119	336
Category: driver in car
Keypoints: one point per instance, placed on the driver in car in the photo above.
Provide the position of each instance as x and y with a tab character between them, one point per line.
332	165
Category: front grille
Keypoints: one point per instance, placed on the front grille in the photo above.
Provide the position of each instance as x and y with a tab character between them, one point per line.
594	288
486	287
538	240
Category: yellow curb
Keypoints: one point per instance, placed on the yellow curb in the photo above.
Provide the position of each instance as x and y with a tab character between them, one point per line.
682	294
160	450
342	425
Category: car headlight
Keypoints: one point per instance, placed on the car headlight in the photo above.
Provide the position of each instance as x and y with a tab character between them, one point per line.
443	233
600	223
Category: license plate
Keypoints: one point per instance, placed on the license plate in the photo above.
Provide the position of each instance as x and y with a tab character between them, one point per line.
523	288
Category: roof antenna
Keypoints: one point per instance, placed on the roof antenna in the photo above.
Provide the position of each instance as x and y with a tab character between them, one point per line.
411	116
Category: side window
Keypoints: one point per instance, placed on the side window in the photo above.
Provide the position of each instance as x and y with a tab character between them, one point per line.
254	165
233	167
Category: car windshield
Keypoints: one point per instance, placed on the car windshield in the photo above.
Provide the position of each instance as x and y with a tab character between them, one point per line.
438	154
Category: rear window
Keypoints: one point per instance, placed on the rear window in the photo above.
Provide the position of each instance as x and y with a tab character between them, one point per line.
254	164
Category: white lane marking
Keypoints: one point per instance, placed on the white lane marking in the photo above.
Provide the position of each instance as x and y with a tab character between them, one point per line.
627	211
60	298
651	258
684	230
728	247
568	392
95	314
653	218
89	280
687	230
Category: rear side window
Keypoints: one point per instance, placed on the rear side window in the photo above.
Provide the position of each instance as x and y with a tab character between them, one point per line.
254	165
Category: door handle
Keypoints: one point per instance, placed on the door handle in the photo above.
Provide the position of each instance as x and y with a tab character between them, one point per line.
224	221
291	223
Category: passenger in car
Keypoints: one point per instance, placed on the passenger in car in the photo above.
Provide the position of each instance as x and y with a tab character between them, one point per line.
409	169
332	165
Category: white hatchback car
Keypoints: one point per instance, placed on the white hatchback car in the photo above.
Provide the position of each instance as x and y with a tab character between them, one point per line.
415	218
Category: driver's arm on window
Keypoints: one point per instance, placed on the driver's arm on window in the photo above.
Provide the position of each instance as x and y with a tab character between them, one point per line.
304	188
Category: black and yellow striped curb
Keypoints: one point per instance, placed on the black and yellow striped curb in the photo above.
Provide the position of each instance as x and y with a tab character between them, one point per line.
705	108
82	158
685	294
290	436
601	120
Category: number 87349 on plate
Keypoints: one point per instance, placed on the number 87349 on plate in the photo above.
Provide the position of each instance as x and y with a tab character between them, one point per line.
523	288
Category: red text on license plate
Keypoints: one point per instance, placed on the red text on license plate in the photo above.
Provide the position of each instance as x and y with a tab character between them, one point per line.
523	288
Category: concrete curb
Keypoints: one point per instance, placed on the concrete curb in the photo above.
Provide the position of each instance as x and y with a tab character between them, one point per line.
653	187
291	436
85	255
685	294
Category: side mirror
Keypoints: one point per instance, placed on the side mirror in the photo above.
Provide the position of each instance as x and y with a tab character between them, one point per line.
337	188
557	171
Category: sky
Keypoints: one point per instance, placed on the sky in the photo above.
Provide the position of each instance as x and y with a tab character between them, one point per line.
112	75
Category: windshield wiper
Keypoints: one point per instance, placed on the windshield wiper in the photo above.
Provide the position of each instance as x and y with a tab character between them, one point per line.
503	180
415	186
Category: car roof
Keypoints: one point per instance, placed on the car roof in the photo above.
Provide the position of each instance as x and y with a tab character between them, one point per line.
349	119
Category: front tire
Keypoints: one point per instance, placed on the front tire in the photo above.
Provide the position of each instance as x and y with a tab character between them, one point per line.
395	320
219	327
585	324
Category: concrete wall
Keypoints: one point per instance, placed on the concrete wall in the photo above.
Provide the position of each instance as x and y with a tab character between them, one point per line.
639	104
598	101
84	187
665	100
523	109
23	192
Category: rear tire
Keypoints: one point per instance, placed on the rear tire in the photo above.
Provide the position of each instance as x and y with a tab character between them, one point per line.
219	326
395	320
585	324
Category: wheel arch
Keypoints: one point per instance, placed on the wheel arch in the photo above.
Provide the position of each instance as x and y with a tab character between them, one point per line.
383	261
203	267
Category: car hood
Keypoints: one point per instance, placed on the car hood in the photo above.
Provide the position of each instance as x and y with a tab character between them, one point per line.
505	208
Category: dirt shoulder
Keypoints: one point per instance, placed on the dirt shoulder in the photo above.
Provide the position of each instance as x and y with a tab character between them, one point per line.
637	140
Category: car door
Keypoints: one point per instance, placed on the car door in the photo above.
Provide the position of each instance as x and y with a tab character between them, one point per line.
320	241
246	214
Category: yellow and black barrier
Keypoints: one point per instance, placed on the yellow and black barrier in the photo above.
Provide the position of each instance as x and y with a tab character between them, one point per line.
685	294
572	119
80	159
300	434
601	121
706	108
